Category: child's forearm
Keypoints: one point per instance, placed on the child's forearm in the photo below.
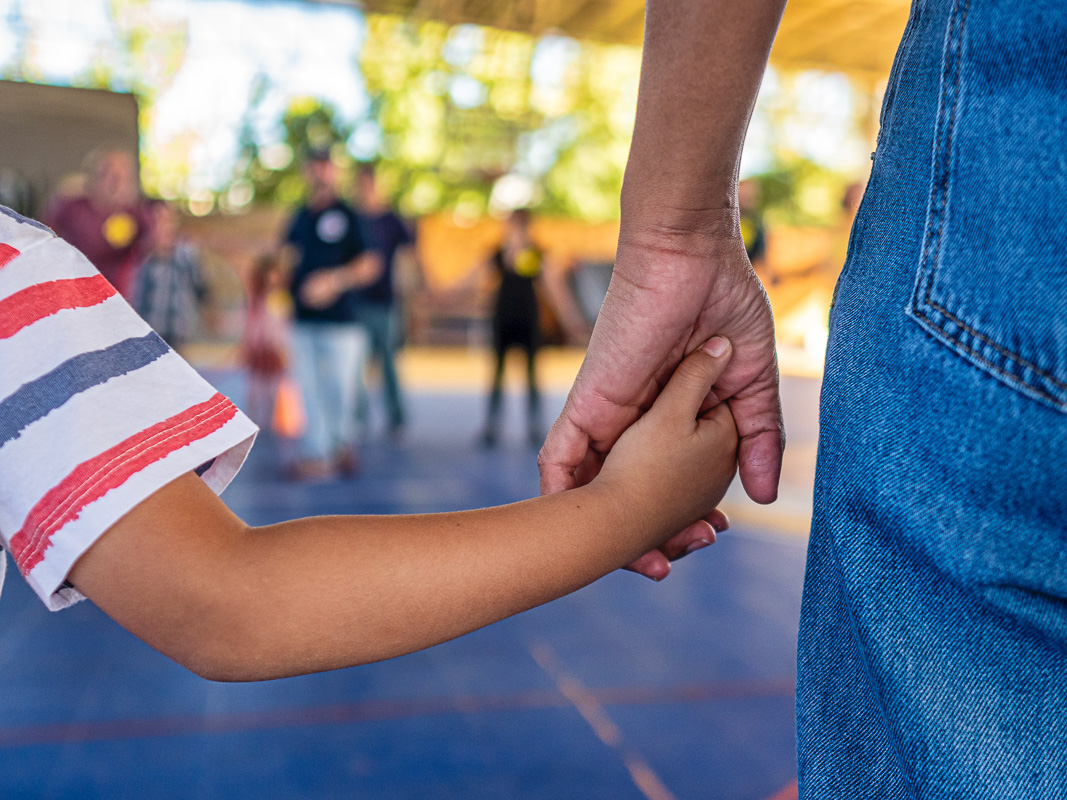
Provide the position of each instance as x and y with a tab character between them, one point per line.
378	587
237	603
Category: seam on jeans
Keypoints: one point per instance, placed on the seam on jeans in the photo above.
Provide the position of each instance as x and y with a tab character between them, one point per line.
1010	355
942	155
1019	382
893	83
871	682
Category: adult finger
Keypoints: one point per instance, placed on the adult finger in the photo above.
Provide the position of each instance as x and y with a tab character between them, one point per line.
561	455
693	378
694	537
656	564
653	564
762	441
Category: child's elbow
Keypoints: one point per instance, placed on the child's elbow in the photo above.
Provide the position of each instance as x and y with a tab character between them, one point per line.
224	653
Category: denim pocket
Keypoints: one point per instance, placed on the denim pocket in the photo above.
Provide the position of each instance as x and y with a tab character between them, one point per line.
992	277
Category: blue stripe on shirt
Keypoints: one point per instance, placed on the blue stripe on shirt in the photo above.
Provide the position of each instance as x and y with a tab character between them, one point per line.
38	398
7	212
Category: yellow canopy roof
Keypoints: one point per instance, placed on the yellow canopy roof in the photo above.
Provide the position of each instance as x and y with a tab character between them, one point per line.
854	36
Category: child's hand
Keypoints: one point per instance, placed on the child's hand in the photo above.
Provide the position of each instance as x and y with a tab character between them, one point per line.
674	464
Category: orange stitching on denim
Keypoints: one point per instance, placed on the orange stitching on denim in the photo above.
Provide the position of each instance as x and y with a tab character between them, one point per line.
1015	379
1008	354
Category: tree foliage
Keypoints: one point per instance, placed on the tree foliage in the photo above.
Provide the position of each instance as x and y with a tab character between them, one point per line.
461	118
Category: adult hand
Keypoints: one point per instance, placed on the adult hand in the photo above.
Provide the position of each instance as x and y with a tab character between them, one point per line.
670	292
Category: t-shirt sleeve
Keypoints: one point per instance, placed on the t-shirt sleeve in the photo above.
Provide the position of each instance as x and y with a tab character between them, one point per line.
97	413
358	240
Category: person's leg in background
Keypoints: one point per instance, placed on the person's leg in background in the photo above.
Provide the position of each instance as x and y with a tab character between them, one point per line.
363	412
389	341
933	644
315	444
534	429
501	344
262	392
344	353
381	324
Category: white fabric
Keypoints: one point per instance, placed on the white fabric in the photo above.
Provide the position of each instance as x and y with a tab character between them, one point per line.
79	448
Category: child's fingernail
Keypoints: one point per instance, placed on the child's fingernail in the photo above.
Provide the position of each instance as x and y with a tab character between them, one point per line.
699	544
716	346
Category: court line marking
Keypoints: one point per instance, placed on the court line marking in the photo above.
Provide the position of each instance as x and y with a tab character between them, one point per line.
377	711
596	716
791	791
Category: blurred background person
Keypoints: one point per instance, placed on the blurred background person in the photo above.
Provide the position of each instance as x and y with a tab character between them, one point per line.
517	265
110	222
525	285
264	344
378	305
169	285
327	259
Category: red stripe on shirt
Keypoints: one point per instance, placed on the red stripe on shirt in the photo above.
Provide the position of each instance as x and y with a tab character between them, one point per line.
94	478
7	254
45	299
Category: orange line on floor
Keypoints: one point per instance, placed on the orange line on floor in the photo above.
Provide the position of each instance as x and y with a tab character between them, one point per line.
378	710
789	792
596	716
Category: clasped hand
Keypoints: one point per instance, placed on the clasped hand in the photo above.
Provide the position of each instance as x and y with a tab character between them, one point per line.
669	294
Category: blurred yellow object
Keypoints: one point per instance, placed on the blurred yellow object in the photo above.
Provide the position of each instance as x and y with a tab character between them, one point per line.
120	229
528	263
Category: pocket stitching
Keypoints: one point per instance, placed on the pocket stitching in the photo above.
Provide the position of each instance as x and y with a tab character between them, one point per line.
1008	354
922	296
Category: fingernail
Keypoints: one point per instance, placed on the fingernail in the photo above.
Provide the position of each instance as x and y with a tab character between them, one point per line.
716	346
699	544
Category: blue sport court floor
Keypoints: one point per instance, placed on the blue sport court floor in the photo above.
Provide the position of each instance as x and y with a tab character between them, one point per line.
627	689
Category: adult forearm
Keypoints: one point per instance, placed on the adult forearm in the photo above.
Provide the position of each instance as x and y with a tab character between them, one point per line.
702	66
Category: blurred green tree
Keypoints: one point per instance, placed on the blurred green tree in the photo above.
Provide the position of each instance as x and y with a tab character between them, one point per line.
271	174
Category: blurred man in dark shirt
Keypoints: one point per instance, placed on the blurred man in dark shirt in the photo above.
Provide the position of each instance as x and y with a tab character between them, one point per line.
378	309
329	258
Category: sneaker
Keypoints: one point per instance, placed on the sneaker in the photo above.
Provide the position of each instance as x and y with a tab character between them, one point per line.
309	470
347	463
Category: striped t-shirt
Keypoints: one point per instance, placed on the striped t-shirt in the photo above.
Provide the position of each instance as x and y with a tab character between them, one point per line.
96	412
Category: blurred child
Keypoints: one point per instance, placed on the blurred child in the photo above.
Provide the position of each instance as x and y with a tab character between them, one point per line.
169	285
264	350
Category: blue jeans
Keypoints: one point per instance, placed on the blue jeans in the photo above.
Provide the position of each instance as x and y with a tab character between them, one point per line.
382	325
328	360
933	642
